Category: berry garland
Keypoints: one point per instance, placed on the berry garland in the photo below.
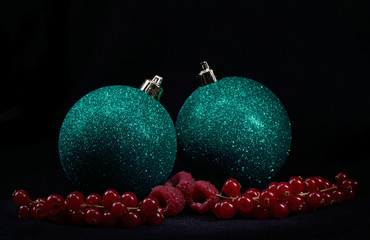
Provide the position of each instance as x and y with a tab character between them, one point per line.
278	200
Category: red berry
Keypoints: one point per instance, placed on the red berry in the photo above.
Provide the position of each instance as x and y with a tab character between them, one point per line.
155	219
216	210
231	187
268	198
260	212
55	203
149	205
43	200
244	203
143	218
20	197
328	183
24	212
327	199
74	200
279	210
252	192
272	186
314	199
303	209
131	219
93	216
320	182
246	215
110	196
129	199
93	199
350	195
108	219
201	197
297	184
77	217
171	200
347	185
118	209
310	184
182	181
338	195
295	202
227	209
340	177
283	191
39	211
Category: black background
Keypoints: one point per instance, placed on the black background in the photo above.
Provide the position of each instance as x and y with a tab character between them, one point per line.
314	55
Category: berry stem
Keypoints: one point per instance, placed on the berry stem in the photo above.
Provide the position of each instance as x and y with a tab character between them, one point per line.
322	190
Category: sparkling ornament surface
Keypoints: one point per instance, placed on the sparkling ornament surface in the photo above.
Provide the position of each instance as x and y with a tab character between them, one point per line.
117	137
235	127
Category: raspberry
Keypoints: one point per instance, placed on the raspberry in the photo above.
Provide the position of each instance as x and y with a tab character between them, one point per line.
182	181
171	200
202	197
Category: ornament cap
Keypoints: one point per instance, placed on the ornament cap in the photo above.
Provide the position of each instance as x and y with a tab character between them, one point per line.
153	87
206	76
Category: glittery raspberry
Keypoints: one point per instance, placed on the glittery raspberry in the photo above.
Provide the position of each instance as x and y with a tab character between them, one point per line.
202	197
171	200
182	181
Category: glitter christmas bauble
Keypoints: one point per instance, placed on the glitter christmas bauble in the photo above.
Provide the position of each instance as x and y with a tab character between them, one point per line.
117	137
235	127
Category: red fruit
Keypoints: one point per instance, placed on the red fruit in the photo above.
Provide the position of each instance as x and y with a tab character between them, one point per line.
253	192
268	198
149	205
297	184
244	203
118	209
295	203
227	209
171	200
110	196
182	181
338	195
131	220
108	219
303	209
55	203
260	212
155	219
327	199
74	200
202	197
340	177
314	199
283	191
39	211
350	195
310	184
279	210
20	197
77	217
93	199
320	182
328	183
24	212
129	199
93	216
272	186
216	210
231	187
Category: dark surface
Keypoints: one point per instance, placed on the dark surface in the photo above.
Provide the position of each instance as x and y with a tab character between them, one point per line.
313	55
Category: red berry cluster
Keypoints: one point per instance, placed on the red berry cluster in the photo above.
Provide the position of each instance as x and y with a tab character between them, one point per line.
109	210
279	199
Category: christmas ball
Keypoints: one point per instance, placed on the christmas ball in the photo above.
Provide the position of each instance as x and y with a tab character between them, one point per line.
234	127
117	137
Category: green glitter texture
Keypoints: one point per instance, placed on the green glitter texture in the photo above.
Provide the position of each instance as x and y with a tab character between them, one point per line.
235	127
117	137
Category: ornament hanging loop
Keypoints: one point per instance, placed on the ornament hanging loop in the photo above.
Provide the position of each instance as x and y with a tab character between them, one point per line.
206	76
153	87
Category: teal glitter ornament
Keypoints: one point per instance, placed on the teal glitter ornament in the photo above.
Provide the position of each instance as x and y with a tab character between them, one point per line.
119	137
234	127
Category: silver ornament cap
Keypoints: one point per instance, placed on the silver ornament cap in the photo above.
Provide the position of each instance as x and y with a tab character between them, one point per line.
206	76
153	87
